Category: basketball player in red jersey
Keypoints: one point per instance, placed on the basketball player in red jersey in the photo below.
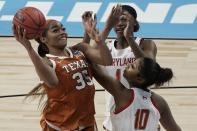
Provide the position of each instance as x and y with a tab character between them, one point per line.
123	53
137	108
67	76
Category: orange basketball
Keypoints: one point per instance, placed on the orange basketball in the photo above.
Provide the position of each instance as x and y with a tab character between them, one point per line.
31	19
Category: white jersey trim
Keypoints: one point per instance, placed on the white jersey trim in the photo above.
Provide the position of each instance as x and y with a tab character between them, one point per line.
111	44
62	57
138	40
59	129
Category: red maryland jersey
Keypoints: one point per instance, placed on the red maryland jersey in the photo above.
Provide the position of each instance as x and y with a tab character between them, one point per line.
71	103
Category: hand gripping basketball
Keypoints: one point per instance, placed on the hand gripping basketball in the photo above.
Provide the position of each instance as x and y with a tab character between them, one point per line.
31	19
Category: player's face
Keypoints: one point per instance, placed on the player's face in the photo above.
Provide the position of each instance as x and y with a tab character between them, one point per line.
131	72
122	23
56	35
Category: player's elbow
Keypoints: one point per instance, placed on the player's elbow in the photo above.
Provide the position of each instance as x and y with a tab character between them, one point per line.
175	128
178	128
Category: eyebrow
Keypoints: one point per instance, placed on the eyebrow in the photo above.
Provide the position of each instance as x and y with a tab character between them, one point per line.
56	26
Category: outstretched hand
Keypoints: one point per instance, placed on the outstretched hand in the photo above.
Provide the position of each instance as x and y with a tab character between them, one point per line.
89	24
20	35
129	29
87	21
114	16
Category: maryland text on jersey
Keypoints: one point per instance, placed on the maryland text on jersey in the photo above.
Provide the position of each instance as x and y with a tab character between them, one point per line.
122	61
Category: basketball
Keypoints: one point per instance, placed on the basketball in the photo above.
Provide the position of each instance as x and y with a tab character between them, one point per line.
31	19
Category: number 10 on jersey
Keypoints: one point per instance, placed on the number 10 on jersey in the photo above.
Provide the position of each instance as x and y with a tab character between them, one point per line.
141	118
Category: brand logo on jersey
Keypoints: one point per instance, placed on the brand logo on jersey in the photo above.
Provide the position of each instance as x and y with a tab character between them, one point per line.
77	53
144	98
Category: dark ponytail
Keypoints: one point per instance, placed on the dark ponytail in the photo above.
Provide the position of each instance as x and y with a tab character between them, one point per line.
38	92
163	76
42	48
152	73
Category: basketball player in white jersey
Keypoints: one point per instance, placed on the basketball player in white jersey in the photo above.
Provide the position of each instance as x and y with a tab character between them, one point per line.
122	52
137	108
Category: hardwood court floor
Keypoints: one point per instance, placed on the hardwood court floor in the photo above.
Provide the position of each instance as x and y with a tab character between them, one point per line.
17	76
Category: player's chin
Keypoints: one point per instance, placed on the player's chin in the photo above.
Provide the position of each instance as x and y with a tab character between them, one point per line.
62	44
63	41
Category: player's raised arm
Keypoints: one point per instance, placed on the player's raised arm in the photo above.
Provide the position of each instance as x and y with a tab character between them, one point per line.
128	34
98	54
112	20
114	87
43	68
147	48
167	120
86	37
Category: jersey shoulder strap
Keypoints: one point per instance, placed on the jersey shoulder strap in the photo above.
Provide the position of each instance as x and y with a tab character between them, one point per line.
138	40
110	44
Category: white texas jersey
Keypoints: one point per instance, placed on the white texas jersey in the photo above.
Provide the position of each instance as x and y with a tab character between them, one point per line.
140	114
121	58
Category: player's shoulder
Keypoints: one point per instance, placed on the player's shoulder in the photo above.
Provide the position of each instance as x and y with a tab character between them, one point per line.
144	41
159	102
110	43
138	40
76	52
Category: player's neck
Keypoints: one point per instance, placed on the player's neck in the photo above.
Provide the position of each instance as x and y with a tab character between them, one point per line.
59	52
121	43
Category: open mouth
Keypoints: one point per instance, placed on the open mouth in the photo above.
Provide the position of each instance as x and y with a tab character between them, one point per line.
119	30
